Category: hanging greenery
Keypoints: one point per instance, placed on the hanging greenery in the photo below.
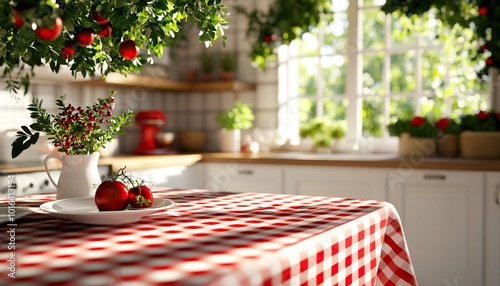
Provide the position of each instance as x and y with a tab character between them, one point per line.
480	15
285	21
90	36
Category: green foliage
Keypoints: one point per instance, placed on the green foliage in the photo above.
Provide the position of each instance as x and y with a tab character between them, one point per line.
482	121
206	63
448	126
323	130
151	24
74	131
417	126
466	14
239	117
285	21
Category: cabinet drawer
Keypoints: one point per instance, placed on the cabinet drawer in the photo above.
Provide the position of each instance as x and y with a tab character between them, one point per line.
235	177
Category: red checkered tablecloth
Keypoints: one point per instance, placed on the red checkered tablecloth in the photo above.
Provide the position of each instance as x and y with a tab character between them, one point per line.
212	238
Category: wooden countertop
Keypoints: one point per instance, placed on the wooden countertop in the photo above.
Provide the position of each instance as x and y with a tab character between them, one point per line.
138	162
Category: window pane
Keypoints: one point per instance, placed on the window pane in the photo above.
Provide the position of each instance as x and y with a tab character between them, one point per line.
370	3
373	29
307	109
372	116
403	32
334	75
401	107
403	72
372	73
340	5
308	79
335	109
433	70
309	46
335	35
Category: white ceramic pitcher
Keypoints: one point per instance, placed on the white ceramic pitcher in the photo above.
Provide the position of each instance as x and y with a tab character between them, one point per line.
79	175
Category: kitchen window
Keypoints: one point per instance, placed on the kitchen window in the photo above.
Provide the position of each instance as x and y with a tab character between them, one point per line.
369	68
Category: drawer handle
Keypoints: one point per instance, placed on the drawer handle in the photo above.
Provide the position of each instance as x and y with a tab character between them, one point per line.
434	177
245	172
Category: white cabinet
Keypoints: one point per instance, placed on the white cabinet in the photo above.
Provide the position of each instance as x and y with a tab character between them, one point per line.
238	177
443	220
358	183
492	238
182	177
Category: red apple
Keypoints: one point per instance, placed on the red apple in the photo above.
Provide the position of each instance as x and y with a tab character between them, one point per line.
85	37
128	50
99	19
48	33
105	30
68	51
18	22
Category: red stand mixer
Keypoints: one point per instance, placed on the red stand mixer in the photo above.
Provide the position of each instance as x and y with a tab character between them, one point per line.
150	122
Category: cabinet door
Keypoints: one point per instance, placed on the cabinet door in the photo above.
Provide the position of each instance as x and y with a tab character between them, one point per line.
442	216
182	177
242	178
492	265
357	183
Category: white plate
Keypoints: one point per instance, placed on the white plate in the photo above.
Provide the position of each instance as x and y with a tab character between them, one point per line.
84	210
19	213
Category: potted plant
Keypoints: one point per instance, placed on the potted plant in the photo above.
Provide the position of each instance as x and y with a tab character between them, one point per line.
480	137
229	63
447	139
77	132
322	133
415	136
231	122
207	66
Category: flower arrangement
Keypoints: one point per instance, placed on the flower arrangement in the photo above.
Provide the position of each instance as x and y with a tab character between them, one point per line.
448	126
418	126
482	121
322	131
74	130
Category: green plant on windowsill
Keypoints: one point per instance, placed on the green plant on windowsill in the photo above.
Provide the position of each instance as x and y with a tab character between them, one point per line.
229	61
419	127
482	121
322	131
240	116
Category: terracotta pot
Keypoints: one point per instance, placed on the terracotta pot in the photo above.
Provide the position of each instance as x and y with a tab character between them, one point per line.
226	76
480	145
412	146
447	145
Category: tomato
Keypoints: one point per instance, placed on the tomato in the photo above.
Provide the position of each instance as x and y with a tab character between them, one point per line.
68	51
140	197
128	50
85	37
99	19
50	34
111	196
105	30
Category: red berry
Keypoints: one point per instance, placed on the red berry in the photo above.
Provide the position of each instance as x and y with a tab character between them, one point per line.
105	30
48	33
18	22
85	37
128	50
99	19
489	61
484	48
483	10
68	51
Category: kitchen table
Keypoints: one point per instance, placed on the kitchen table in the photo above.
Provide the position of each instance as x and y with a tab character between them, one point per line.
214	238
